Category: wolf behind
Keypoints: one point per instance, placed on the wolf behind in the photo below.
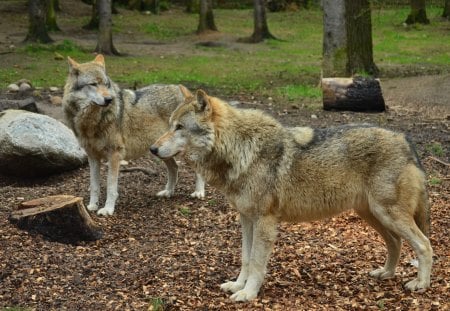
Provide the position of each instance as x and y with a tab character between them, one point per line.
115	124
270	173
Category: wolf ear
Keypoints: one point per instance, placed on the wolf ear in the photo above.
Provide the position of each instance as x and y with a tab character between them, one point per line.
203	103
186	93
99	59
73	65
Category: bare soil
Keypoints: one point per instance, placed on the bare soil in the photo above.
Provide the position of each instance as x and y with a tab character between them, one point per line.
178	251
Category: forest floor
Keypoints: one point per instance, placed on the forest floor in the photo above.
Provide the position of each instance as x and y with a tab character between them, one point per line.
173	254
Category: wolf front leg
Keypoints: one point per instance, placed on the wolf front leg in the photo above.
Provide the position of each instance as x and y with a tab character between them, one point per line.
264	235
247	239
199	192
111	187
172	178
94	168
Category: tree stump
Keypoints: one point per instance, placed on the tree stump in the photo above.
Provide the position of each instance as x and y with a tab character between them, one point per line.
353	94
59	217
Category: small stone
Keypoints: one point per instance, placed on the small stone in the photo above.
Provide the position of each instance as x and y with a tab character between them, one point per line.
123	162
56	100
270	98
313	116
24	87
294	106
53	89
13	87
58	56
22	81
234	103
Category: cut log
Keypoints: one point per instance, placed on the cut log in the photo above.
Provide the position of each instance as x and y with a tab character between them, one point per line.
59	214
353	94
28	104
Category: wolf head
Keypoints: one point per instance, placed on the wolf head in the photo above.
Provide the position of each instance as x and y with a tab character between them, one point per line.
88	83
191	130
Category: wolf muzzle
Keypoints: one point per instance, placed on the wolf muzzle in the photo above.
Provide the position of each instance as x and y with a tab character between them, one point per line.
106	101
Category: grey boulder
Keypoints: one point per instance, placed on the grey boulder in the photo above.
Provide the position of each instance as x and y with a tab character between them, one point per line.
33	145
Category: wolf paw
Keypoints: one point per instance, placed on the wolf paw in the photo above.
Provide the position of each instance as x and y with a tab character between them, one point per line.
382	274
417	284
105	211
244	295
232	286
92	207
164	194
198	194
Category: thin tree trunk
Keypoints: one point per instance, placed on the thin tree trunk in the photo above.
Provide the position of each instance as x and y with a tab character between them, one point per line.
51	16
105	41
206	17
334	39
37	30
260	29
94	22
418	13
446	12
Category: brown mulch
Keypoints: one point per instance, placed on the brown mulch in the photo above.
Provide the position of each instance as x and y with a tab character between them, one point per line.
174	253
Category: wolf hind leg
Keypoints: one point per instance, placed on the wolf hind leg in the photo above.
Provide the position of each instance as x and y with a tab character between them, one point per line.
247	239
172	178
393	244
94	177
401	221
111	189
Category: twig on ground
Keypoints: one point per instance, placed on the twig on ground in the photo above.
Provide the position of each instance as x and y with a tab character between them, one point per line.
439	161
139	169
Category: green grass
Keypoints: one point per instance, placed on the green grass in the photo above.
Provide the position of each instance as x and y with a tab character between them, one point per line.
185	211
289	68
435	149
434	181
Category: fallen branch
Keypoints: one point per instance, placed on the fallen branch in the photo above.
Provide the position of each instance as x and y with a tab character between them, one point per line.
439	161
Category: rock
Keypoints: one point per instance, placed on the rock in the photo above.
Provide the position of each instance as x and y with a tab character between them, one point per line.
36	145
28	104
22	81
24	87
13	87
56	100
53	89
313	116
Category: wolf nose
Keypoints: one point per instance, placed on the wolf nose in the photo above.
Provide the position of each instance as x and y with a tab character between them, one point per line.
154	150
108	100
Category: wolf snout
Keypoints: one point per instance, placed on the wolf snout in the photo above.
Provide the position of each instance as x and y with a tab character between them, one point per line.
108	100
154	150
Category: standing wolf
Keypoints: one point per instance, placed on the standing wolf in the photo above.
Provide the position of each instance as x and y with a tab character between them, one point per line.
115	124
270	173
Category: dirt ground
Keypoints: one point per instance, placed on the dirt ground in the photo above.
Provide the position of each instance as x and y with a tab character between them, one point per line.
175	253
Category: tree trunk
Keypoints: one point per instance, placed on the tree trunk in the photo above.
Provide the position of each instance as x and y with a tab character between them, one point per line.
206	17
347	38
418	13
359	38
105	41
51	16
446	13
260	29
94	22
37	30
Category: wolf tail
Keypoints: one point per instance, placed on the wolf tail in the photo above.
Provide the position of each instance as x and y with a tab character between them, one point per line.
422	215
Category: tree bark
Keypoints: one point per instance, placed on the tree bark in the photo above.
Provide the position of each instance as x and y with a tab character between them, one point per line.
94	22
206	17
261	28
418	13
105	41
347	38
446	12
37	30
51	16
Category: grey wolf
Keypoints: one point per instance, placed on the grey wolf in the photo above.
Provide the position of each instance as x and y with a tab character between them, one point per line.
114	124
271	173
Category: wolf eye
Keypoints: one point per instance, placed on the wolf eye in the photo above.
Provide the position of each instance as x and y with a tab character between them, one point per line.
178	127
93	84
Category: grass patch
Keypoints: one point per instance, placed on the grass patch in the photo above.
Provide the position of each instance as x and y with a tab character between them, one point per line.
435	149
434	181
296	92
157	304
289	68
185	211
